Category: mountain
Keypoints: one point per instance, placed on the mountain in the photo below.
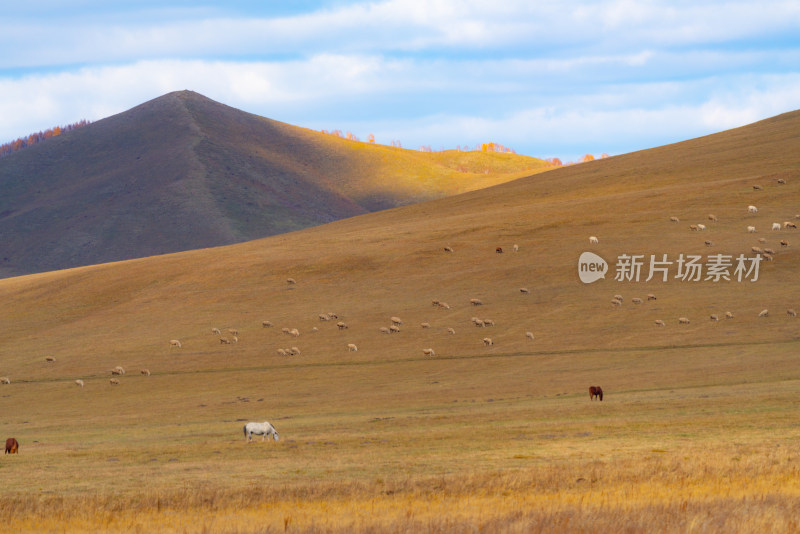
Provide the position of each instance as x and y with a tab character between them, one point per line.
182	172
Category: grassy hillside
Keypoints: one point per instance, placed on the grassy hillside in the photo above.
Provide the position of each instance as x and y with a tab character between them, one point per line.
182	172
698	422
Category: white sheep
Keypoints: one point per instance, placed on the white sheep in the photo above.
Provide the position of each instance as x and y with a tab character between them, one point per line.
768	250
396	320
234	339
593	240
619	298
701	227
295	351
752	209
224	341
488	322
479	322
683	320
757	250
791	313
216	331
674	219
5	380
784	243
712	217
659	322
291	281
516	248
714	317
488	341
233	331
294	332
524	290
394	329
266	324
763	313
50	359
281	352
751	229
781	181
616	302
145	372
285	330
114	382
693	227
428	352
762	240
351	347
444	305
385	330
757	188
448	249
636	300
729	315
341	325
767	257
776	226
451	331
324	317
529	335
708	243
651	297
425	325
175	343
476	302
789	224
79	383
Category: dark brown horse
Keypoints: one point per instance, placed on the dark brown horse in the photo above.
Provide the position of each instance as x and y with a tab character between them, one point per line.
595	391
12	446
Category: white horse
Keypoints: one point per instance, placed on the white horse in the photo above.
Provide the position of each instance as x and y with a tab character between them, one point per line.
260	429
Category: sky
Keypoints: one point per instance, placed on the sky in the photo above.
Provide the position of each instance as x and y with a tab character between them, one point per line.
545	78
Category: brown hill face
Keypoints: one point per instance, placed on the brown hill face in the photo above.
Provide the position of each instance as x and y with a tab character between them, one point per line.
184	172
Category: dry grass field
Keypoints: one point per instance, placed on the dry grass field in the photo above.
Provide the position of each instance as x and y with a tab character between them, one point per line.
698	430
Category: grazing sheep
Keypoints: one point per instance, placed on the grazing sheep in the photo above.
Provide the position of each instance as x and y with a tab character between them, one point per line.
636	300
294	332
714	317
752	209
448	249
529	335
118	370
757	188
295	351
784	243
291	281
516	248
233	331
50	359
476	302
216	331
394	329
767	257
781	181
266	324
234	339
751	229
701	227
396	320
428	352
674	219
385	330
479	322
224	341
619	298
659	322
763	313
776	226
488	322
769	251
757	250
285	330
524	290
175	343
499	250
712	217
762	240
114	382
451	331
145	372
728	315
789	224
281	352
683	320
709	243
791	313
341	326
425	325
488	341
693	227
324	317
593	240
444	305
616	302
351	347
5	380
315	329
79	383
435	303
651	297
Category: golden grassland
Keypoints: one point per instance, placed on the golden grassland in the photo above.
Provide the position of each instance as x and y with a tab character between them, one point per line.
698	431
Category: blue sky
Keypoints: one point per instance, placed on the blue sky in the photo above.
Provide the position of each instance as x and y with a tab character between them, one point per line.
546	78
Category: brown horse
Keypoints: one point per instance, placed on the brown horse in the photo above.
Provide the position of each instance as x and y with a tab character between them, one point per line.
595	391
12	446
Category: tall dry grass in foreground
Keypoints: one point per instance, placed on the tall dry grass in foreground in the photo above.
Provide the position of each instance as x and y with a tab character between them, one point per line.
728	488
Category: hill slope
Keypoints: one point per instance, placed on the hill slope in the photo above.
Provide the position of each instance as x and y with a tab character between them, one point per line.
184	172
